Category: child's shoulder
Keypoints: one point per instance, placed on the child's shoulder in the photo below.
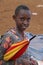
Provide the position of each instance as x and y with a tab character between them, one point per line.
13	30
10	32
29	35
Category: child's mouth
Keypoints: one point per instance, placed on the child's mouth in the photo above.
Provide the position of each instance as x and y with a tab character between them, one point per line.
24	27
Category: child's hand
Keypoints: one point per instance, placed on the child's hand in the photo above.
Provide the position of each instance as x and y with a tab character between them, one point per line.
29	62
34	62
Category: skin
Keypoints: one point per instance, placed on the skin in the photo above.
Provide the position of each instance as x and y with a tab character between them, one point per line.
22	20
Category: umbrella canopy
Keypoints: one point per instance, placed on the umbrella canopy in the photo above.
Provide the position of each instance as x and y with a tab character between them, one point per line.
16	50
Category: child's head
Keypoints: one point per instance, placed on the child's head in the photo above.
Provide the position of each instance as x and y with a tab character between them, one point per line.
22	17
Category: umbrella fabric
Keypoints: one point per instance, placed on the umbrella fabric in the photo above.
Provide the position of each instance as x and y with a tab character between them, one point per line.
16	50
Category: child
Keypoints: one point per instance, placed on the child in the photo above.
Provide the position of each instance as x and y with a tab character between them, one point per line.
22	18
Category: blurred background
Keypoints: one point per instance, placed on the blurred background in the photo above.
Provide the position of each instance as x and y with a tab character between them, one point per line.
7	8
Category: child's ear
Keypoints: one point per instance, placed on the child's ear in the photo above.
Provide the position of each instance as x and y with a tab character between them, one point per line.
14	16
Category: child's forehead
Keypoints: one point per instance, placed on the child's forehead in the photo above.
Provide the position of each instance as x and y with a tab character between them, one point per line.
24	12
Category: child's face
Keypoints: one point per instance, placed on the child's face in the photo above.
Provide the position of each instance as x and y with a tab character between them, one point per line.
23	19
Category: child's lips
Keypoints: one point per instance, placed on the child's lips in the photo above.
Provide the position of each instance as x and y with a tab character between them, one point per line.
24	27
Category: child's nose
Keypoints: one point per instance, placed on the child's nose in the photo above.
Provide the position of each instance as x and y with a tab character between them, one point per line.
25	22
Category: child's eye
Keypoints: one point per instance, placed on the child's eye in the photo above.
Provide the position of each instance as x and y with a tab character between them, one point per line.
28	19
22	19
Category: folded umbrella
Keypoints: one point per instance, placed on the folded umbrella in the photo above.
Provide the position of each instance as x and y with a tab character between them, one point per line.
16	50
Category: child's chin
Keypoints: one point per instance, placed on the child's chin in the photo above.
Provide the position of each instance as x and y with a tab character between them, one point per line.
24	29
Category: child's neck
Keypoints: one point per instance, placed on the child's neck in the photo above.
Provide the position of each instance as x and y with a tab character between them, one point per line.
20	32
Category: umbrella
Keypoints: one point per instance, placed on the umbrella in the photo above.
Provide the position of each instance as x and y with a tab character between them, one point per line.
16	49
